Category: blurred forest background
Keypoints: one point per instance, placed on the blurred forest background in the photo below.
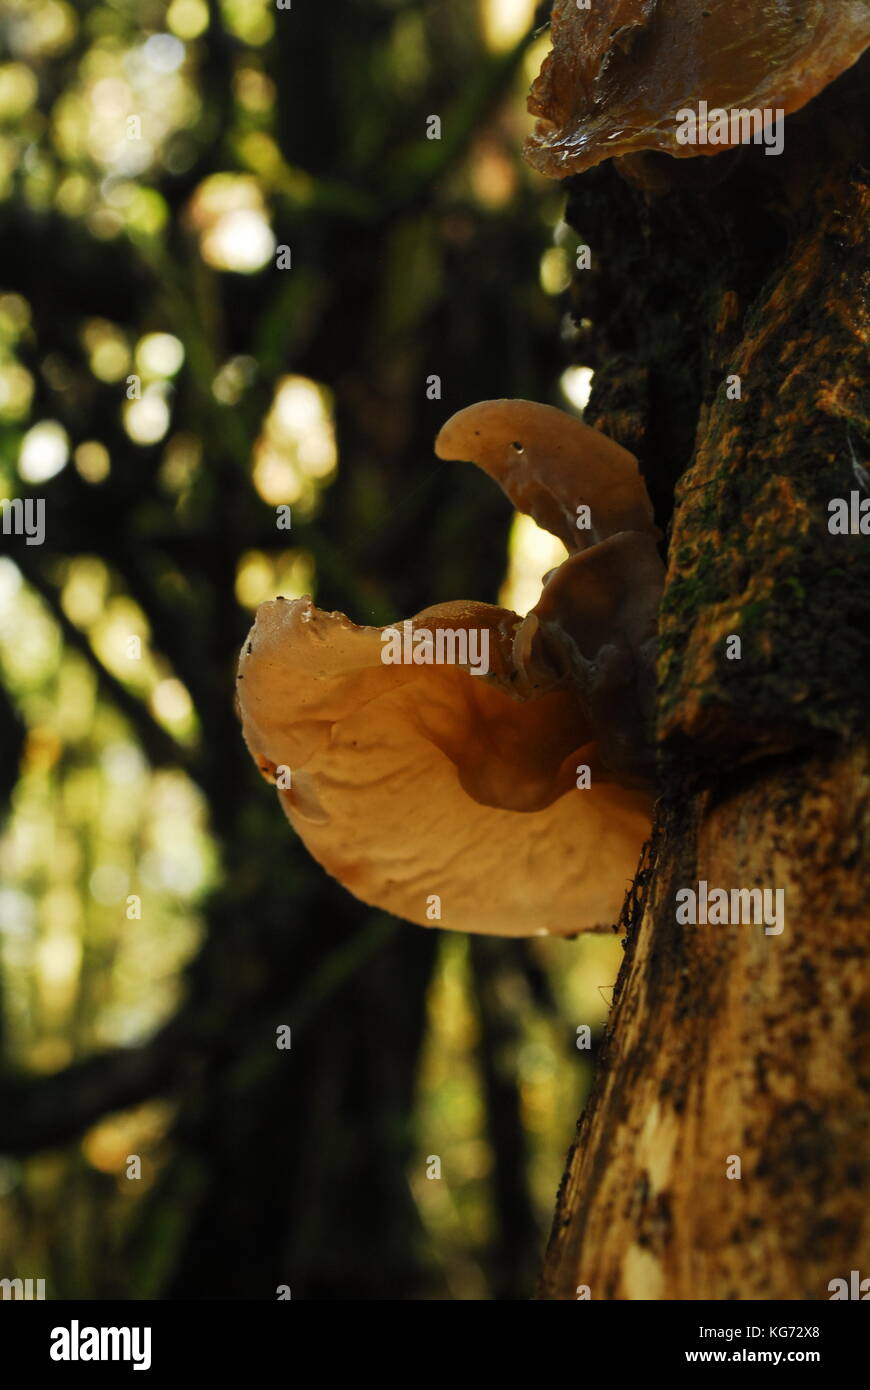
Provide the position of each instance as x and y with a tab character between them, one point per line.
164	387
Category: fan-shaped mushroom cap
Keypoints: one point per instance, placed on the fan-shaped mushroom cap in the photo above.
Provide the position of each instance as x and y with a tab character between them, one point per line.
620	71
549	463
417	782
437	763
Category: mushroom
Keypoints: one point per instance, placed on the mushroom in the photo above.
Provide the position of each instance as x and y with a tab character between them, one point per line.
507	787
620	72
550	464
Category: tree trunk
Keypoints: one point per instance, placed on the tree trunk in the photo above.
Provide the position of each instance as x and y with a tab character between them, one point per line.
726	1043
723	1153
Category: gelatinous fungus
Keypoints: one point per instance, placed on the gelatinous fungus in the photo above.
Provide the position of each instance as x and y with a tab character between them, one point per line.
620	71
509	793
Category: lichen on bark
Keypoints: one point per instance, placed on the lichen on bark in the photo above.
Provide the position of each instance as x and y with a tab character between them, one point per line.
752	554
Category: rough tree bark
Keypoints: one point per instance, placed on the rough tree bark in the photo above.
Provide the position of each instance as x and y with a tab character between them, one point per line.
725	1041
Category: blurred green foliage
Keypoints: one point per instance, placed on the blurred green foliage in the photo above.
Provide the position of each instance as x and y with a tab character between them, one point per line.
164	386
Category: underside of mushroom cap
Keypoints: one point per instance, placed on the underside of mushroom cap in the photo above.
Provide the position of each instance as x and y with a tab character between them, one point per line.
597	622
413	781
620	71
550	464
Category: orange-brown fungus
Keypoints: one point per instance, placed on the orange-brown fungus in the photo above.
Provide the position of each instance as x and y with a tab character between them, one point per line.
620	71
471	768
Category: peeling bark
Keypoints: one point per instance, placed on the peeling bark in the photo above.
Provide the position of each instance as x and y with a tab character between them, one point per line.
724	1042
